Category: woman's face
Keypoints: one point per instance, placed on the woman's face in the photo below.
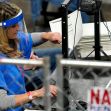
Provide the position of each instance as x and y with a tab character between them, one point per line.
12	31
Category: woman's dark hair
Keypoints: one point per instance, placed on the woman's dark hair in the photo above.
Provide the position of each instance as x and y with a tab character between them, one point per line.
8	10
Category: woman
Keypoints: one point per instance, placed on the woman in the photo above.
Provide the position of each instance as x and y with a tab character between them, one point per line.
14	43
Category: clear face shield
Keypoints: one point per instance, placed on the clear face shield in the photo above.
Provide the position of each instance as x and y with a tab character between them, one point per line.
12	30
16	20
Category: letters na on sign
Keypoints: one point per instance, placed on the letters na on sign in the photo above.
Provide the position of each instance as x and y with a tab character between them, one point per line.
99	99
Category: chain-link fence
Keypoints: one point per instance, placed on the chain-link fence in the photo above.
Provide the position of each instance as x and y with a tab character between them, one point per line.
44	64
82	75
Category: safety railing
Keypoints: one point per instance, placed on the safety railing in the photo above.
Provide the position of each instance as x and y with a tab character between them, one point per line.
75	70
98	74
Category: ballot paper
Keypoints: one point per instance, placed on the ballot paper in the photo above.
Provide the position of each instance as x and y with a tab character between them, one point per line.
75	28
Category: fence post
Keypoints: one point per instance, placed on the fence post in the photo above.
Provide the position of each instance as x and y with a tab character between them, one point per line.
59	84
47	101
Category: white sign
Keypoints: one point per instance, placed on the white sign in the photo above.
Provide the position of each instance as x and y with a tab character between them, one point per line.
99	99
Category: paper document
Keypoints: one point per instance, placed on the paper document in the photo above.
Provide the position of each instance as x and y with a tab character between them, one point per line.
75	28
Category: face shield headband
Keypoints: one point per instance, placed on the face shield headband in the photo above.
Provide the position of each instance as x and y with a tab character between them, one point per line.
13	20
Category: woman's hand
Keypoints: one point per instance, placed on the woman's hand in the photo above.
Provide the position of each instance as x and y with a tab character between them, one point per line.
54	37
32	57
41	92
53	90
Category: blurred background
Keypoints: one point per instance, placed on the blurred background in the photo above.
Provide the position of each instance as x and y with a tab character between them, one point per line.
26	7
43	24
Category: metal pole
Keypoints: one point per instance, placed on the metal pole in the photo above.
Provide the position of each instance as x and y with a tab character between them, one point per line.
66	90
59	85
21	62
83	63
64	31
47	101
97	46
